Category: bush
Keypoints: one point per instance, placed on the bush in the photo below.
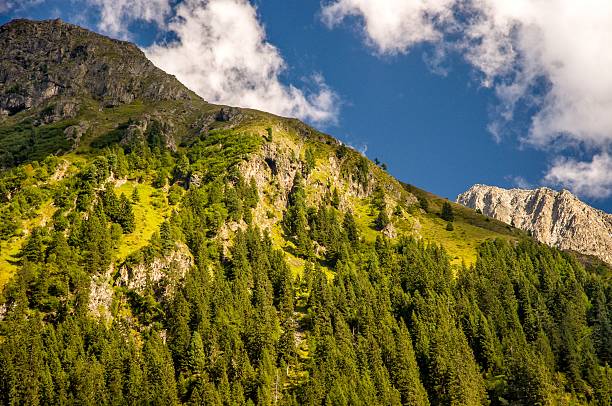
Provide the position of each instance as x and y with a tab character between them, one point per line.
135	195
449	226
174	194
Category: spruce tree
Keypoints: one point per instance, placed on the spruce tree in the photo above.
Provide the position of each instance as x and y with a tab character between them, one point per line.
125	215
383	218
447	212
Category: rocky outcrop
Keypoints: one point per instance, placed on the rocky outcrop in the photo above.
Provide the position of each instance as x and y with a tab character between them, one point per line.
162	274
558	219
43	60
101	294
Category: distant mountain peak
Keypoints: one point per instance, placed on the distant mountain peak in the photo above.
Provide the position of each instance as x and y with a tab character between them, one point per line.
556	218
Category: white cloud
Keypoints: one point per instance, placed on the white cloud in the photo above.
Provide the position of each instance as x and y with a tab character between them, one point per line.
393	26
551	54
116	15
219	50
591	179
520	182
221	53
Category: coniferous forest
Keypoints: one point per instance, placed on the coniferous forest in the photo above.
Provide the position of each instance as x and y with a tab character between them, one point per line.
383	322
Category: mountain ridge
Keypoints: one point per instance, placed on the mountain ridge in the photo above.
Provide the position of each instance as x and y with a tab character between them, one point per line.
556	218
111	71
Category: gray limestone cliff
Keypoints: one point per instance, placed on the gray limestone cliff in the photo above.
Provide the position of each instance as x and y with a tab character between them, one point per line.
558	219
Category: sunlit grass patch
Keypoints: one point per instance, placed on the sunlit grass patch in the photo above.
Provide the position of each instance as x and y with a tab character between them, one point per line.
9	250
149	213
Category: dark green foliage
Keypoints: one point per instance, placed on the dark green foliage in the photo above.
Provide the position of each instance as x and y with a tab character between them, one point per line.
118	210
382	220
135	196
233	203
350	228
335	199
447	212
219	151
342	151
396	324
362	171
25	142
161	179
174	194
423	203
309	161
449	226
295	220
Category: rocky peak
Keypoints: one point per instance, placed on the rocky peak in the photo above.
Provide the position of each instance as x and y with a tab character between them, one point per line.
558	219
40	60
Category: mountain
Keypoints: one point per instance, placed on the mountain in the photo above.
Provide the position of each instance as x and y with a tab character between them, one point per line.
45	60
159	249
558	219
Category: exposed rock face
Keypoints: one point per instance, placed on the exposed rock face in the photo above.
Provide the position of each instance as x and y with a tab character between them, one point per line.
558	219
162	274
40	60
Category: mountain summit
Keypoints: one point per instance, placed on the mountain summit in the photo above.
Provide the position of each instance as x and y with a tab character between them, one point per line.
558	219
45	59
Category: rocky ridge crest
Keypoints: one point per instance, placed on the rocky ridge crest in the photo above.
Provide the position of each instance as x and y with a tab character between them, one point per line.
558	219
49	59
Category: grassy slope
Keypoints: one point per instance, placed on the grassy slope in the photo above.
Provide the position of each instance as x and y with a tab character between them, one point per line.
9	250
470	228
149	212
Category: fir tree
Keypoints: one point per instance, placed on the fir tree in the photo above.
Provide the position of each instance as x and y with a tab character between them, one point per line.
447	212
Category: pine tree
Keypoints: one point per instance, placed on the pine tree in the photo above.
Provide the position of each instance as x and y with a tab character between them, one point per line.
295	219
350	228
310	162
447	212
405	370
197	357
125	215
135	195
383	218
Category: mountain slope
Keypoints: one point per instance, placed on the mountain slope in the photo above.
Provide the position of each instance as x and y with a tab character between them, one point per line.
158	249
558	219
106	93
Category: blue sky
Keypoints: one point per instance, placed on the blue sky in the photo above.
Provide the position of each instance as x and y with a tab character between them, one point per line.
388	99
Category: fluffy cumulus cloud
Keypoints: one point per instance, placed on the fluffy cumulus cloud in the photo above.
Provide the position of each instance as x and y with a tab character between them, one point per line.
553	55
393	26
221	53
219	50
592	179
